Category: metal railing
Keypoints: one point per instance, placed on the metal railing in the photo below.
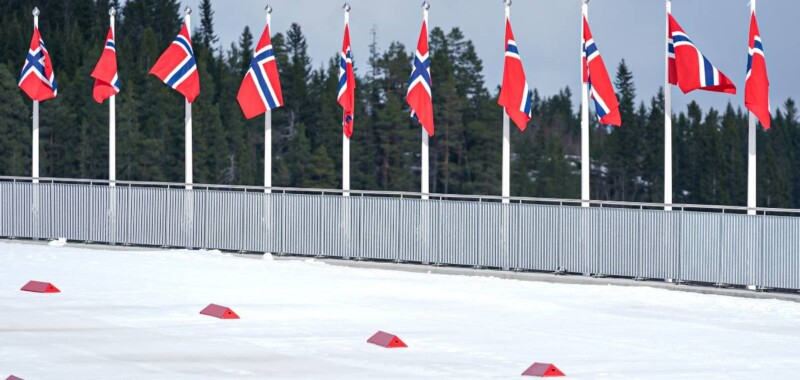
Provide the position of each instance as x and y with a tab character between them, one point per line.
693	243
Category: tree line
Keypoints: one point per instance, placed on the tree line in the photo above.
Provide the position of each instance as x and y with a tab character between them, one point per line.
710	147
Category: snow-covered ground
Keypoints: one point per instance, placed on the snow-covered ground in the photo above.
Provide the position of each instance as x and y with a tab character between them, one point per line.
134	315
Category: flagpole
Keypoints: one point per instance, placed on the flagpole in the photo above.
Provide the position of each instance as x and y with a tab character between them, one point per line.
112	118
425	138
345	139
35	139
751	151
667	122
188	120
268	129
506	184
585	158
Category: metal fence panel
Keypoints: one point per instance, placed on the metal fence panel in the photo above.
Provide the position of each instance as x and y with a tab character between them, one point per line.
25	209
456	247
693	246
6	209
740	240
414	228
573	243
700	247
658	244
535	237
780	253
315	224
380	223
493	221
614	241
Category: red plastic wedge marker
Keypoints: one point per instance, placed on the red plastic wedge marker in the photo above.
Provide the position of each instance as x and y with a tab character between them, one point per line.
220	312
543	370
387	340
40	287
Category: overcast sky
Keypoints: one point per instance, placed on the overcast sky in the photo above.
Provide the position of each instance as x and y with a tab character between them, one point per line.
548	36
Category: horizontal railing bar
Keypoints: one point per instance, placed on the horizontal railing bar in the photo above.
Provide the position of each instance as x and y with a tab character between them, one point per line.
554	201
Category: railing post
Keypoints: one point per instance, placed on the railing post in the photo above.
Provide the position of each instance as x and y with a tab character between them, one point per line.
756	265
111	220
188	211
283	225
506	236
13	209
35	210
128	213
585	249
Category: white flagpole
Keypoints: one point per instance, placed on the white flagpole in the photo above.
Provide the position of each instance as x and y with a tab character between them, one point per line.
751	152
425	138
667	122
188	120
268	131
345	139
35	140
506	185
585	158
112	118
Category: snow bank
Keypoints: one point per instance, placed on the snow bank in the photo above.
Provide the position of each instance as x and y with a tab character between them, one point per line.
135	315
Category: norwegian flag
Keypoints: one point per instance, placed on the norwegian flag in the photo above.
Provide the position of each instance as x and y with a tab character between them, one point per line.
347	83
106	79
38	80
177	67
596	76
689	69
419	96
756	88
515	95
261	89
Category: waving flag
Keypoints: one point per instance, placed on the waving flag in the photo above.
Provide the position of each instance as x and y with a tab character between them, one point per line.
347	83
177	67
515	95
596	75
261	89
106	80
419	96
756	88
38	80
689	69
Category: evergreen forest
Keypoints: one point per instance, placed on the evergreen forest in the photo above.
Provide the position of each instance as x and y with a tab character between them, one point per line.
710	145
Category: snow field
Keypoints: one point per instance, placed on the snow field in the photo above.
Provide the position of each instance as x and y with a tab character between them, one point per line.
135	315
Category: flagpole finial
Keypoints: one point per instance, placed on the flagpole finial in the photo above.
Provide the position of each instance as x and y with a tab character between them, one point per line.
426	5
346	7
268	8
188	11
35	12
112	11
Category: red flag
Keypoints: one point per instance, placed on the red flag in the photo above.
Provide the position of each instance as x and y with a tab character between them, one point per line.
347	83
261	89
689	69
177	67
38	80
106	79
756	88
419	96
515	95
596	76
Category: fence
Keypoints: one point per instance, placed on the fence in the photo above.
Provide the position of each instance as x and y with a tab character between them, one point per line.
692	243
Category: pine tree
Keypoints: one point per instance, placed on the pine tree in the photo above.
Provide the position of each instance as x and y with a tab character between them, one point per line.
246	51
206	29
15	144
